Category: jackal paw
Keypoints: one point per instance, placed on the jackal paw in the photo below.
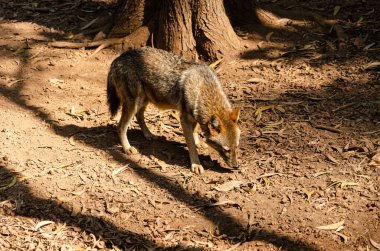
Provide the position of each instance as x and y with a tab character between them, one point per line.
131	150
196	168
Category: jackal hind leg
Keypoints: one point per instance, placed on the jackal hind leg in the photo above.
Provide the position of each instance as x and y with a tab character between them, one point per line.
128	111
188	131
141	121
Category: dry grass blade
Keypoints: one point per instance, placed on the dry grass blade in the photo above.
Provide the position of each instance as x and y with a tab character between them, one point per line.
372	65
89	24
268	36
259	111
331	226
331	158
346	184
42	224
375	244
266	175
215	64
72	141
224	202
12	182
321	173
344	237
274	124
119	170
228	186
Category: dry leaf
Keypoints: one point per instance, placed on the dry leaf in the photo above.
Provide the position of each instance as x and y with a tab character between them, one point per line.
268	36
42	224
332	159
308	195
228	186
344	237
56	81
375	244
257	80
331	226
336	10
72	141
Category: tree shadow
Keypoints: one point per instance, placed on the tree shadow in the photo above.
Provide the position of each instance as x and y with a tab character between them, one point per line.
51	210
229	225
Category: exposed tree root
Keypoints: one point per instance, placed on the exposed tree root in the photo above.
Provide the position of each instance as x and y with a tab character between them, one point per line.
136	39
273	20
329	23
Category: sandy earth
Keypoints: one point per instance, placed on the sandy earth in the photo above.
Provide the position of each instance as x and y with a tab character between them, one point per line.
310	126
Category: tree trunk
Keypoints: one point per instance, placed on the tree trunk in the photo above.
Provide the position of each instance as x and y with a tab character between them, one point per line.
175	31
190	28
213	31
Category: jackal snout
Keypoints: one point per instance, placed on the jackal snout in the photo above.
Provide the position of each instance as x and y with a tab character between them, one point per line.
224	136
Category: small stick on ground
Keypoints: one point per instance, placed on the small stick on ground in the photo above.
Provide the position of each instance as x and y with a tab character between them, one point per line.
266	175
327	128
344	106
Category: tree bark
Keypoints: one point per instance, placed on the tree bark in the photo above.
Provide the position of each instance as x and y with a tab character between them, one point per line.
213	31
186	27
131	15
175	31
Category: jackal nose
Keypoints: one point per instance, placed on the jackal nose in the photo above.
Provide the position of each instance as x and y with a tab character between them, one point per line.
236	166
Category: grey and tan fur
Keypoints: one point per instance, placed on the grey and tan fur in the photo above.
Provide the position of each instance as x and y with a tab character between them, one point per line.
148	75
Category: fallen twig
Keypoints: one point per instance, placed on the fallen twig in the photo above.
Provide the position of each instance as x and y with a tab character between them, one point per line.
266	175
344	106
327	128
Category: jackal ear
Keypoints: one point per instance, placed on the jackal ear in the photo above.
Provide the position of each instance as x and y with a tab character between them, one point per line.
234	115
214	125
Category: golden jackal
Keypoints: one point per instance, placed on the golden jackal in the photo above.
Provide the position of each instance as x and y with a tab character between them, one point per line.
140	76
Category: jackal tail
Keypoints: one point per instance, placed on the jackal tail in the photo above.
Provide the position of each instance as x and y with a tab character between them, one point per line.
112	97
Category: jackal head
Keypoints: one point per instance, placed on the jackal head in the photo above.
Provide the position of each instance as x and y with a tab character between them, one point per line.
224	135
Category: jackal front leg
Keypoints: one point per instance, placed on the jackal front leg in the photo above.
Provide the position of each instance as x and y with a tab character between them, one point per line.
188	131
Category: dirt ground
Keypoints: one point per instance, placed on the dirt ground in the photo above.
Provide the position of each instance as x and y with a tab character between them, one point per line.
310	130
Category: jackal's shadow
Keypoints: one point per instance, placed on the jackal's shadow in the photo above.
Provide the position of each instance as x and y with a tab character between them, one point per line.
171	152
